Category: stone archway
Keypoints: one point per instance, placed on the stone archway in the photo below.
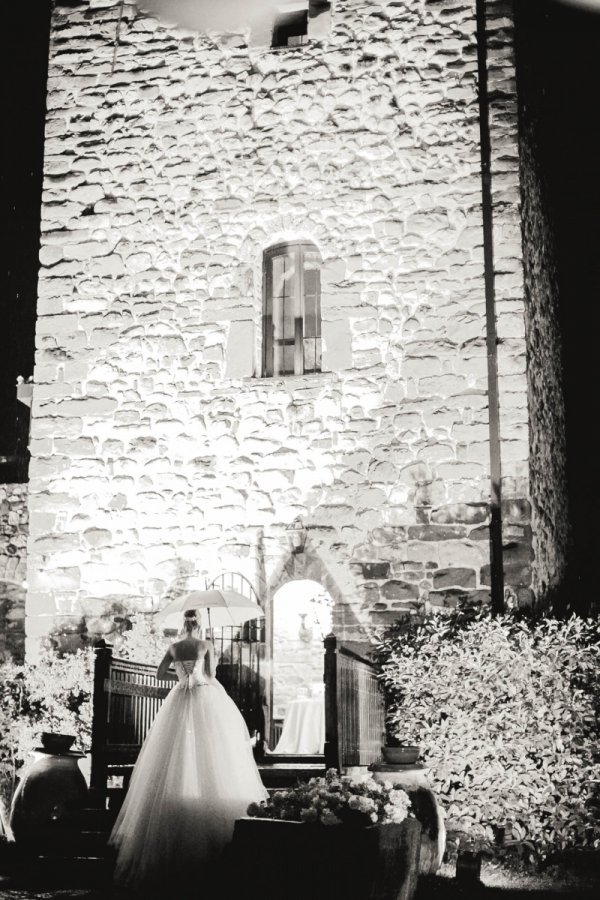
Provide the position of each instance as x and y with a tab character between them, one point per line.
304	566
304	569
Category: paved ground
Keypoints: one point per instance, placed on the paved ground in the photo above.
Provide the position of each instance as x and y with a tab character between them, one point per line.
431	888
66	882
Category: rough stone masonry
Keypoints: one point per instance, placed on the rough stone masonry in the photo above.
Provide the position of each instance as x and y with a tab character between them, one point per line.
173	160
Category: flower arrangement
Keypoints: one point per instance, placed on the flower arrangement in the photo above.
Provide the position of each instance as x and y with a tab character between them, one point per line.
336	800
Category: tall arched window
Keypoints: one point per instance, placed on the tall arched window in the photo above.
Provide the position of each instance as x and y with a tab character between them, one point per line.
291	309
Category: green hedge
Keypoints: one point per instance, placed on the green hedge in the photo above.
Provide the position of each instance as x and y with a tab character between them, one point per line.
506	712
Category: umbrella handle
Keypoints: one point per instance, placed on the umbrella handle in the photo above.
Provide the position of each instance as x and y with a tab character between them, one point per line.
209	625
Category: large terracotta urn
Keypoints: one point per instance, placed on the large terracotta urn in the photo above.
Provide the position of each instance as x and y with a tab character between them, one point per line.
413	779
51	792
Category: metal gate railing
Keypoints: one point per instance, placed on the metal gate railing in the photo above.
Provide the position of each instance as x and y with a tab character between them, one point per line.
239	652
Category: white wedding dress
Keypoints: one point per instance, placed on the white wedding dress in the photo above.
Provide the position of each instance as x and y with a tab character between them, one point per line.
194	777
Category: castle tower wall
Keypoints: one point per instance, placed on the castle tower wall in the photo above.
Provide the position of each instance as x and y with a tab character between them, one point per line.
174	159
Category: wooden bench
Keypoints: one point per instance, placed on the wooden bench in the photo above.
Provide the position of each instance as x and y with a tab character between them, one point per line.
126	698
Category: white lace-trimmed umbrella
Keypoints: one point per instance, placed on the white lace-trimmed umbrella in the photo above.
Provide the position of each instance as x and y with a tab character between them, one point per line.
224	607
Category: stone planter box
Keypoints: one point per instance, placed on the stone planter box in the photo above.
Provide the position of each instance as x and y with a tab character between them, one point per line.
299	861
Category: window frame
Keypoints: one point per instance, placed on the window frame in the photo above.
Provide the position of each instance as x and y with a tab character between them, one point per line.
290	24
298	250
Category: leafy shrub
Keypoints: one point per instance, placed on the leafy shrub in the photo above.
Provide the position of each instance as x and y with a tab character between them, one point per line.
53	694
143	642
506	712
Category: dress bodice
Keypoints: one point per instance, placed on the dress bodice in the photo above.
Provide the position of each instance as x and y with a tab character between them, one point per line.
190	672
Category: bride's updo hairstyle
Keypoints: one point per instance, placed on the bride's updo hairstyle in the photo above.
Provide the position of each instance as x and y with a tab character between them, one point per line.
191	622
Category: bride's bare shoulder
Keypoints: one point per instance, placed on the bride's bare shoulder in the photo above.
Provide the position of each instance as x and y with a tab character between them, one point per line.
184	646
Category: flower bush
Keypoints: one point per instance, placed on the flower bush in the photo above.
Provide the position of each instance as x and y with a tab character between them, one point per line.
53	694
506	712
336	800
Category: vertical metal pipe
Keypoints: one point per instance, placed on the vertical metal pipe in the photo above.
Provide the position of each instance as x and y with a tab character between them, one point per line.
496	561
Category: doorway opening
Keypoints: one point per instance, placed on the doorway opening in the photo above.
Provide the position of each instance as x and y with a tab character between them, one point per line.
301	617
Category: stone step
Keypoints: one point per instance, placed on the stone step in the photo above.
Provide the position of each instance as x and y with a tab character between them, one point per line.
292	759
288	774
91	843
55	871
66	866
93	818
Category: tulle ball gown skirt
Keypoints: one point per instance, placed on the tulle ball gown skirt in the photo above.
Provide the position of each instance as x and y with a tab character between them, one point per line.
194	777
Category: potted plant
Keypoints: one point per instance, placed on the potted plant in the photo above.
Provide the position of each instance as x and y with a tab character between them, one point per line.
397	752
332	836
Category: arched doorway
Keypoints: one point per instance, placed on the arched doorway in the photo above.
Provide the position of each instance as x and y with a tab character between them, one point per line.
301	617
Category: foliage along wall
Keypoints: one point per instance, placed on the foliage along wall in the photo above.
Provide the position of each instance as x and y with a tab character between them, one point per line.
13	556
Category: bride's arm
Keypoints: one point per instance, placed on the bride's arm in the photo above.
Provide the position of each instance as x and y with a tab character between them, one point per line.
210	662
162	672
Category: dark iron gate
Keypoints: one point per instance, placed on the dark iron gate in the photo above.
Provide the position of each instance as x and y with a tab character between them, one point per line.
240	653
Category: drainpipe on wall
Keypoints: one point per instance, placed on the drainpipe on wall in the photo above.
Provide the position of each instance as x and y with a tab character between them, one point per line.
496	560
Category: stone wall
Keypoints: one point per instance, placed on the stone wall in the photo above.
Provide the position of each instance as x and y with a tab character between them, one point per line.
157	448
13	570
547	436
509	306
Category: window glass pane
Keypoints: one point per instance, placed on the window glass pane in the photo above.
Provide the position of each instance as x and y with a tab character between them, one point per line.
283	274
277	359
311	293
311	261
310	304
278	263
288	358
309	355
288	318
277	318
310	281
289	265
284	271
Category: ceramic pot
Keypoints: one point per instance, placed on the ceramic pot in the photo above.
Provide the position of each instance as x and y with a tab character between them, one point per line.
401	756
51	792
57	743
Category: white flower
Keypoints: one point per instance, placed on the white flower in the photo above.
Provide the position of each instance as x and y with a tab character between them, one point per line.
362	804
309	815
399	796
329	818
394	813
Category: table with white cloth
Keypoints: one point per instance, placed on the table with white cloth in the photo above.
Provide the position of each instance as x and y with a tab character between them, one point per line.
303	729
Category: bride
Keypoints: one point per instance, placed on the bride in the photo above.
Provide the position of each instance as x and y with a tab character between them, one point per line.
194	777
